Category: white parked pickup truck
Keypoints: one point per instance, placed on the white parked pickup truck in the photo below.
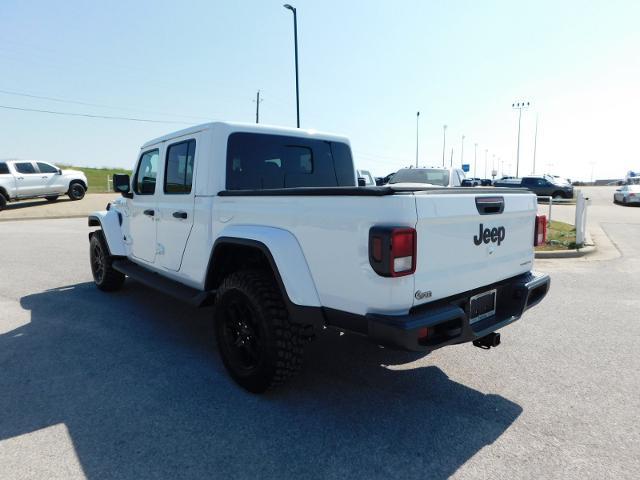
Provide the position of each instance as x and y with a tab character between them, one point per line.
21	179
269	226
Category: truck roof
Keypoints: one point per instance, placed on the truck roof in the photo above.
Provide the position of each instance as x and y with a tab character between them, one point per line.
251	128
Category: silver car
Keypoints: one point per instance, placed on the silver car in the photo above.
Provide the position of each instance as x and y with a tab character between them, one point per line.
627	194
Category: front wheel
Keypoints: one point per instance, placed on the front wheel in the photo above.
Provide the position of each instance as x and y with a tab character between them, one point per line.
3	202
104	276
76	191
558	195
259	346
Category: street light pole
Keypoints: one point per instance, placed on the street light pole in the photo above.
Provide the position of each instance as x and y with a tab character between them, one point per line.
535	144
486	151
519	106
417	126
475	160
462	152
295	39
444	142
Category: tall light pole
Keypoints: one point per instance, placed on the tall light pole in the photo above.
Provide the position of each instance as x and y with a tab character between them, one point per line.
519	106
444	141
535	144
462	151
475	160
486	151
417	125
295	39
451	161
258	100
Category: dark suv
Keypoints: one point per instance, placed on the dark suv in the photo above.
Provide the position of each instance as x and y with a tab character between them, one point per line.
541	186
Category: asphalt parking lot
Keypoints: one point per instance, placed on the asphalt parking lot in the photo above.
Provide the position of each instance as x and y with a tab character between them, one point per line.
129	385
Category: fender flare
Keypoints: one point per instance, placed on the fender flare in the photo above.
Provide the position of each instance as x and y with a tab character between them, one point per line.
284	253
110	221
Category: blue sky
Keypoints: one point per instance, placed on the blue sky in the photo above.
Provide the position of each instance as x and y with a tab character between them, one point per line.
365	69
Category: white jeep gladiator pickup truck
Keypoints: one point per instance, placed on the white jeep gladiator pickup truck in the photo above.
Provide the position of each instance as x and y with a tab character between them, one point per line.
21	179
267	225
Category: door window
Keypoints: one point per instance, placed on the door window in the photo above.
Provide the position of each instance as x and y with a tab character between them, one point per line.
25	167
145	182
46	168
4	169
178	175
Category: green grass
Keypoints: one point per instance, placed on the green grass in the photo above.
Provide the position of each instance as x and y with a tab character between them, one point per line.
97	177
560	236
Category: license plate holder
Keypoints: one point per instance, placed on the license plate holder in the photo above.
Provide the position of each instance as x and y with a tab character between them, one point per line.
482	306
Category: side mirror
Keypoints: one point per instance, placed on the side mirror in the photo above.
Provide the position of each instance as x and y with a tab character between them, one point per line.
59	172
122	184
362	182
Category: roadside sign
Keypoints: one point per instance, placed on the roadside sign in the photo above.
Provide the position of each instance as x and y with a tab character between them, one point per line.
465	167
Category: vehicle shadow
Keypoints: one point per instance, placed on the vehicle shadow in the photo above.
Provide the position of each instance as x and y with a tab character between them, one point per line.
135	379
40	202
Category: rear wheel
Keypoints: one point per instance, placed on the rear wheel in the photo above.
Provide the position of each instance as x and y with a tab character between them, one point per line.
104	276
259	346
3	202
52	198
76	191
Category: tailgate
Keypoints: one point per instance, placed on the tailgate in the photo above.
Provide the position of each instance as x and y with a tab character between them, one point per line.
467	240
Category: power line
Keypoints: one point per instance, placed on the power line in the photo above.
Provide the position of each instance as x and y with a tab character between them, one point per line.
88	104
106	117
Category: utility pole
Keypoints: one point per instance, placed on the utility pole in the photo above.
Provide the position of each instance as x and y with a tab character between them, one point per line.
295	39
535	144
519	106
462	151
475	160
258	100
444	141
451	163
417	126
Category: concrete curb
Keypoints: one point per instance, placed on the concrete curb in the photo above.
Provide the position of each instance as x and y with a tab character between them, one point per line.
567	253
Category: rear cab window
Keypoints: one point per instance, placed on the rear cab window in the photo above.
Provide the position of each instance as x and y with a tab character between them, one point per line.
4	168
258	161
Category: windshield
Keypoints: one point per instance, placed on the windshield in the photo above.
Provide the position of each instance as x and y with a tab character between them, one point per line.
434	176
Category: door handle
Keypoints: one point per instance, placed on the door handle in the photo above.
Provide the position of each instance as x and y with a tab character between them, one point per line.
150	213
20	178
45	177
182	215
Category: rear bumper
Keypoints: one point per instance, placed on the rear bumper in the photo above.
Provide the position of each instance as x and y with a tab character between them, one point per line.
447	320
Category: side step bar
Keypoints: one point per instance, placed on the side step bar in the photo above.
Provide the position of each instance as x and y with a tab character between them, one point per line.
195	297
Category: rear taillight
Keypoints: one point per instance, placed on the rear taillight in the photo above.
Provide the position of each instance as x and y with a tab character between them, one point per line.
632	194
392	251
540	235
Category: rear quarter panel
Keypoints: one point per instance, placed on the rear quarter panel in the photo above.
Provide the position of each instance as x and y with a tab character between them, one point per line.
333	232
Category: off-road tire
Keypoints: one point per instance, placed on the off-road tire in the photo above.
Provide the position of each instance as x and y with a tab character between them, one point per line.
51	198
105	277
253	298
76	191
